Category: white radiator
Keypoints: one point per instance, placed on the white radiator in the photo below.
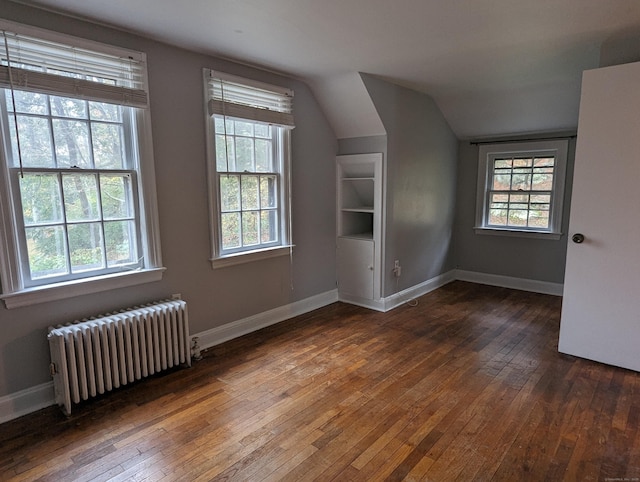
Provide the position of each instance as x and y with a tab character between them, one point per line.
91	357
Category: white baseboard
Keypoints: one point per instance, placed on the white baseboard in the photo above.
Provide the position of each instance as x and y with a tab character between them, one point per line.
535	286
423	288
377	305
26	401
396	299
35	398
232	330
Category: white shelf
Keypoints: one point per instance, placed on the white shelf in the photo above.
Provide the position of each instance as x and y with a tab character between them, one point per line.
363	209
359	214
368	236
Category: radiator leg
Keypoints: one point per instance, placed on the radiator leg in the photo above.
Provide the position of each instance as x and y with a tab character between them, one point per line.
195	349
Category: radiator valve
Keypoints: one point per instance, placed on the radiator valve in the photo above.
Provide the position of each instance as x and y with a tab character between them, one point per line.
195	349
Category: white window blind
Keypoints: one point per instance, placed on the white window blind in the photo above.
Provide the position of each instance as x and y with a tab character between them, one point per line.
53	66
233	97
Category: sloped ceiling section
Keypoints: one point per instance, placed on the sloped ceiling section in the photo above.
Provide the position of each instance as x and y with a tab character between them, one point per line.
493	67
348	106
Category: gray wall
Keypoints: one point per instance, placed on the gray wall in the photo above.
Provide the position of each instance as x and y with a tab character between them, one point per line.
363	145
534	259
215	297
420	184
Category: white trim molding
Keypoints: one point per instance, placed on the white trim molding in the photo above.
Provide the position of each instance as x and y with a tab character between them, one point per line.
397	299
536	286
35	398
235	329
26	401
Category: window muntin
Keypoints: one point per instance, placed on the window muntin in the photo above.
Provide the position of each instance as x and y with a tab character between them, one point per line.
248	145
521	188
248	169
103	107
75	197
520	192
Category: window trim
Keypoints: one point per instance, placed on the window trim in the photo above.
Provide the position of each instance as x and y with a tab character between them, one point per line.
14	292
218	259
487	152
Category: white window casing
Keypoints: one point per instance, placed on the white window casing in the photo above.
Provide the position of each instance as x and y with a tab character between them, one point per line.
233	102
519	203
42	62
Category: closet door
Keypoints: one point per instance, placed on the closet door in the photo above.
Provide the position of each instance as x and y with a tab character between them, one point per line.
601	305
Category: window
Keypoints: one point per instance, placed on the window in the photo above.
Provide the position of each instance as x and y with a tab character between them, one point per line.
76	206
521	188
249	147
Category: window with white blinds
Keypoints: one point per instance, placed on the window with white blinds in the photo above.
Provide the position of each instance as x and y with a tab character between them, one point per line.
77	201
249	126
39	61
236	97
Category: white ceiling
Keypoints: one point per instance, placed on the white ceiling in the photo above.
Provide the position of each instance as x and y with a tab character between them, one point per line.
493	67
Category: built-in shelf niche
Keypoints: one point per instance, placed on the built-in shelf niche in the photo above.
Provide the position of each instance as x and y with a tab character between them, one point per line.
359	215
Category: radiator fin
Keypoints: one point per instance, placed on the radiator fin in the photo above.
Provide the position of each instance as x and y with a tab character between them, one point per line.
101	354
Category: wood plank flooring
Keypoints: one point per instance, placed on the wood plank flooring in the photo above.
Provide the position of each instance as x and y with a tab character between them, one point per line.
467	385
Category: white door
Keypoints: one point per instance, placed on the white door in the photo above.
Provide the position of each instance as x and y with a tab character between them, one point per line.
355	267
601	306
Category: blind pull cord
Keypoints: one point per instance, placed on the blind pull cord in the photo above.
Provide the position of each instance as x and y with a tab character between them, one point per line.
13	102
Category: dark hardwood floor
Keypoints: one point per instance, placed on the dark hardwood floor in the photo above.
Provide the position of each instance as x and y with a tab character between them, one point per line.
467	385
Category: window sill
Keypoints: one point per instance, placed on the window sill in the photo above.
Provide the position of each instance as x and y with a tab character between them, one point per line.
518	233
249	256
61	291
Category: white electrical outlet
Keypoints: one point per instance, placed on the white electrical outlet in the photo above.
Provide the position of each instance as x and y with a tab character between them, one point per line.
397	269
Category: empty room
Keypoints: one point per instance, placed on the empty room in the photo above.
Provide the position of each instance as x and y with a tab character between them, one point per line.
274	240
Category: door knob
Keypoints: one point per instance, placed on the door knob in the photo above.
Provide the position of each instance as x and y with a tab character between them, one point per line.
577	238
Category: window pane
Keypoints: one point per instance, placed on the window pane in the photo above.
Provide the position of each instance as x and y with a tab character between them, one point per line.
46	250
499	198
65	107
501	182
522	162
250	192
542	182
41	199
115	191
27	102
119	238
219	125
263	156
521	182
249	228
268	192
81	197
72	143
498	217
85	247
268	226
263	130
225	156
519	198
541	198
544	162
35	142
106	112
229	193
107	145
517	217
230	230
503	163
244	129
244	155
539	219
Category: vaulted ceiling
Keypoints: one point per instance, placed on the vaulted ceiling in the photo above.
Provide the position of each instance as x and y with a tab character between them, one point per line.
494	67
